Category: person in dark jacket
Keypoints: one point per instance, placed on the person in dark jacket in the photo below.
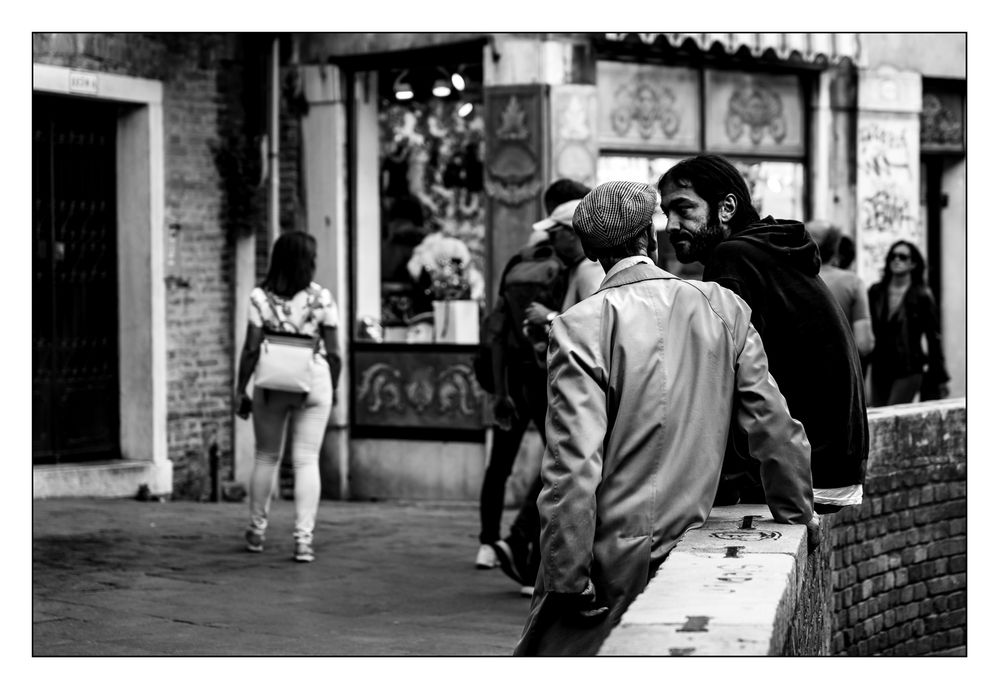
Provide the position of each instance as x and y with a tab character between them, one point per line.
904	311
773	265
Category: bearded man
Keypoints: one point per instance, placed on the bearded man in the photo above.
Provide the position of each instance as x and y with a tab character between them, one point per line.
773	265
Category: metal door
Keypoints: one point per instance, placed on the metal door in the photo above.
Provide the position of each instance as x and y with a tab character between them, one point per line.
75	414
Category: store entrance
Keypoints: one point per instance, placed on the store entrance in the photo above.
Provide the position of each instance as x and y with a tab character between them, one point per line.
75	390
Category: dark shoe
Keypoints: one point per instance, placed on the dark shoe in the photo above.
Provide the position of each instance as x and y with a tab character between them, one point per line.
513	561
254	541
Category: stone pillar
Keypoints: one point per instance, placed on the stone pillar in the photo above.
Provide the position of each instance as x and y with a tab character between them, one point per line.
834	170
889	102
324	163
541	112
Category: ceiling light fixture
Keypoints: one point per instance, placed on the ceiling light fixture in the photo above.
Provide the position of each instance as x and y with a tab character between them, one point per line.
458	81
465	110
441	88
403	91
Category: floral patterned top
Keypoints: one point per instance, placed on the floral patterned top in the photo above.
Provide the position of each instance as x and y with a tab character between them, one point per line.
304	313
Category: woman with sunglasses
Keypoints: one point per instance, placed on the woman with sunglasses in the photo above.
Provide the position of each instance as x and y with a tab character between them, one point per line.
903	311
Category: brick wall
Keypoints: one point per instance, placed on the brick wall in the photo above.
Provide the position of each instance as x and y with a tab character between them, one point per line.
212	114
899	561
889	577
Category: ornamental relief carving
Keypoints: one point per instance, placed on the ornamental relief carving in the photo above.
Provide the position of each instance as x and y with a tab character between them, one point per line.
574	124
938	123
384	390
513	122
513	170
513	194
645	106
758	109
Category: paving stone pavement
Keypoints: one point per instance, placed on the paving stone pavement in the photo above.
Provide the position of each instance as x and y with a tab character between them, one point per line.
118	577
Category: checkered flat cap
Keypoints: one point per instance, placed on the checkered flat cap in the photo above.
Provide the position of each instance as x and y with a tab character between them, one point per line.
613	213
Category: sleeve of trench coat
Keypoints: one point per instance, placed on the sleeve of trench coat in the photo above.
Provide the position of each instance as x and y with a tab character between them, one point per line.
573	461
776	439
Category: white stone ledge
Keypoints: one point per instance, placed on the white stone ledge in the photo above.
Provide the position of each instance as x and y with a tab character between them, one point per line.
115	479
724	590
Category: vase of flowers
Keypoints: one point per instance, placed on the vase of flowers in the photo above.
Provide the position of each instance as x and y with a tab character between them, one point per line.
442	267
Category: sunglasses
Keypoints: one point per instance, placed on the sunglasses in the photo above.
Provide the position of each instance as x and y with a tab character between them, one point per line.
901	257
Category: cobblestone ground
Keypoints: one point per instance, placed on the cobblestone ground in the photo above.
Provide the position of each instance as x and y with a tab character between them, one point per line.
122	577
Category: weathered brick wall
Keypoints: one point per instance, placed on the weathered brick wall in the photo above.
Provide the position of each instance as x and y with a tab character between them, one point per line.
212	114
887	579
899	560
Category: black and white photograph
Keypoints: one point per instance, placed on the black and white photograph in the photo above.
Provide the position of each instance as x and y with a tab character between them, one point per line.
465	344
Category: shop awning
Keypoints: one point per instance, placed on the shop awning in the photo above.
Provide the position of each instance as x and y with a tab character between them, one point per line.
827	48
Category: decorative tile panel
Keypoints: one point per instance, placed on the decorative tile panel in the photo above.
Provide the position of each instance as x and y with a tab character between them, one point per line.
425	387
515	170
754	113
646	107
941	123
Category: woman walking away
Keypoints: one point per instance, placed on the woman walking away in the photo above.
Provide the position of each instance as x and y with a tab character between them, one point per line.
289	307
903	311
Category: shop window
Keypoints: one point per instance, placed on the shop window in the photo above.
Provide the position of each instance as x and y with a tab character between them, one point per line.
432	204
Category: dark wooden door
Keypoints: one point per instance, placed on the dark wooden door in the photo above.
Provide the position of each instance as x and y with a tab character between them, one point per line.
75	414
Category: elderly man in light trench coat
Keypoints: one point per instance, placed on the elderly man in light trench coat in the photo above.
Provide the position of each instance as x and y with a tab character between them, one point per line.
644	378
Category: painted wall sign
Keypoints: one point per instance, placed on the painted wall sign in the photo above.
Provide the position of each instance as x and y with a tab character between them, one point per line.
83	82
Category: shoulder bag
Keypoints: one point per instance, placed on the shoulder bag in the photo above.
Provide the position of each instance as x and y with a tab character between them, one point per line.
285	361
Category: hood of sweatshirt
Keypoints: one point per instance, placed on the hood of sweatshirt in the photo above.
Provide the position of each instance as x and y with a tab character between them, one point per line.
786	239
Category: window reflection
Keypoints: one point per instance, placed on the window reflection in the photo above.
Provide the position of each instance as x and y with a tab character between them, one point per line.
431	187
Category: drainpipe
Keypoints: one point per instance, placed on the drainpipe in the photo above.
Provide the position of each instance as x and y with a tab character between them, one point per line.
273	137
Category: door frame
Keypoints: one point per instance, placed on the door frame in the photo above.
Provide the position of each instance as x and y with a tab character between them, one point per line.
141	291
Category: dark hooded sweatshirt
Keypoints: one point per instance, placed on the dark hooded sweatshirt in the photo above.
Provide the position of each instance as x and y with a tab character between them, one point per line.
774	266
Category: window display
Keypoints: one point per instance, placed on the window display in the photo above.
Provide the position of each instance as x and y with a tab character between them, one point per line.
433	217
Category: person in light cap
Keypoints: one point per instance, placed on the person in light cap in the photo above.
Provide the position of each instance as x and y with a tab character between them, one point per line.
645	377
517	554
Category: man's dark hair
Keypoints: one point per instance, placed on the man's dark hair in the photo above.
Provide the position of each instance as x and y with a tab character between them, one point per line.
293	264
561	191
406	208
847	252
712	178
829	239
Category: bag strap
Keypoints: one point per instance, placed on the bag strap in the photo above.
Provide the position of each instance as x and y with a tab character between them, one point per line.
281	320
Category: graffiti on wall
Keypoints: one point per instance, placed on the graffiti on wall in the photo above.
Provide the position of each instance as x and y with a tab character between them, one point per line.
887	189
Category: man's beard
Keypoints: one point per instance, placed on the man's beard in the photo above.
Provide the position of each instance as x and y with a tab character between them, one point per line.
696	246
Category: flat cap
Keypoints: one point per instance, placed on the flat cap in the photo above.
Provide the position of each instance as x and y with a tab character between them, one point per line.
613	213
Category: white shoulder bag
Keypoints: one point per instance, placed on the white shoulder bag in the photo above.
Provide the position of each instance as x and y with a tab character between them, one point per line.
285	361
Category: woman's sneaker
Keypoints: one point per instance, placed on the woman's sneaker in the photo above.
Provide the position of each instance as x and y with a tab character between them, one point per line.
254	541
304	552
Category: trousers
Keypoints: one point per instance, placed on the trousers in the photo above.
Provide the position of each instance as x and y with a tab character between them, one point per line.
528	386
306	415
